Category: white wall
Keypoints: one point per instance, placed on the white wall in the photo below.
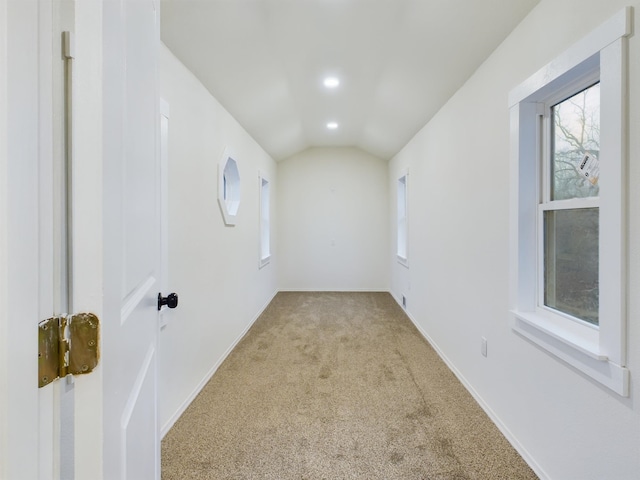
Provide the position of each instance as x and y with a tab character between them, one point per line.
332	221
566	425
213	268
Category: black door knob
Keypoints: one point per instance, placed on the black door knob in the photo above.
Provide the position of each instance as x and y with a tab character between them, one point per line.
170	301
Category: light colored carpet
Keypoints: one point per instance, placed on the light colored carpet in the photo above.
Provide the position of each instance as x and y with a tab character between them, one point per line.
336	386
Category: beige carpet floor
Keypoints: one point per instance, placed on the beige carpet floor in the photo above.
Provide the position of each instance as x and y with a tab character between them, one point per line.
336	386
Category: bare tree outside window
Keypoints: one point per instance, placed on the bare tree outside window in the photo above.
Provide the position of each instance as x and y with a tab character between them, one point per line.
576	132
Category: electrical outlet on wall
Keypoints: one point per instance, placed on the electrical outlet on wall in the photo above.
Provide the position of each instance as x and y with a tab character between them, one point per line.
483	346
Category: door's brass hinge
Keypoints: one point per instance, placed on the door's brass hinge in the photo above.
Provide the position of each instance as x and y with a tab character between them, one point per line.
67	345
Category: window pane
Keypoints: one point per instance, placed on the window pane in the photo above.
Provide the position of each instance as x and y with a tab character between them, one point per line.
571	262
575	146
402	217
265	224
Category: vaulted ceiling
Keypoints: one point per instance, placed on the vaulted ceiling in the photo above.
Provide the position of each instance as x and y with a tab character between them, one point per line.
398	62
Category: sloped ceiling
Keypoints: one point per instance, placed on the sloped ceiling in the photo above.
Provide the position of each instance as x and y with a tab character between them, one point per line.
398	62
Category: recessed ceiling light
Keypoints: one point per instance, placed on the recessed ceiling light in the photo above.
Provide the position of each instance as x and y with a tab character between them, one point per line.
331	82
332	125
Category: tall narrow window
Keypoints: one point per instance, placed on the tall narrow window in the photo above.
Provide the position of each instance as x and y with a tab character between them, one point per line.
265	224
568	251
570	206
402	220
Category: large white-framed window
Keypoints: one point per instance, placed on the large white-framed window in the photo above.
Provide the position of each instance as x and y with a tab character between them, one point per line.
568	193
402	219
265	221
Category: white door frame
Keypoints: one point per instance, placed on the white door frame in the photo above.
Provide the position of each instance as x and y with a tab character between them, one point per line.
26	450
30	443
164	205
31	446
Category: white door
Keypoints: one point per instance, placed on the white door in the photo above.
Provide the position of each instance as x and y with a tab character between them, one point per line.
131	146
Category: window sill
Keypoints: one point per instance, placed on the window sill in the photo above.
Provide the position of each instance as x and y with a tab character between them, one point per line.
581	338
264	261
579	349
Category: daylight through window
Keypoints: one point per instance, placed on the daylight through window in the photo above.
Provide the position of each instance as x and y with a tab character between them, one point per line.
570	208
567	221
265	223
402	220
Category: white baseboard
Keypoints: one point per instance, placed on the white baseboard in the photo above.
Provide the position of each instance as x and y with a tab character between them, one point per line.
181	409
487	409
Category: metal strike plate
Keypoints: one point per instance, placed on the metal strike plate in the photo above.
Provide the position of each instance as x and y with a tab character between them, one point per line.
83	343
48	351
